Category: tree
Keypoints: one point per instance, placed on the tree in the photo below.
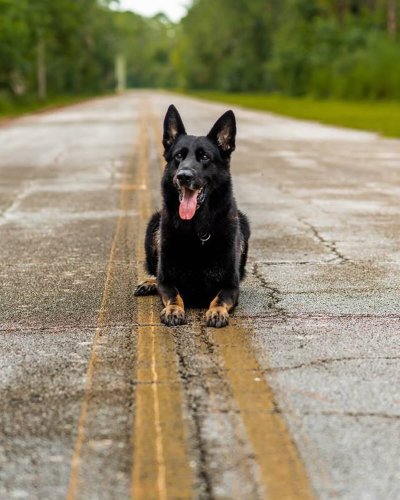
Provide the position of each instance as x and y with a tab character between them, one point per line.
225	44
392	18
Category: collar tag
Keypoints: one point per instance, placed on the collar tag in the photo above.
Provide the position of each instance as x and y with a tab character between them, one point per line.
204	237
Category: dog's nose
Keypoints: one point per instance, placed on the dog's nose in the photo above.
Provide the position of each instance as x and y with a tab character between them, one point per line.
185	176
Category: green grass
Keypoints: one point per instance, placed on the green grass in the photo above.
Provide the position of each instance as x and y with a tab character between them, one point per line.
22	107
377	116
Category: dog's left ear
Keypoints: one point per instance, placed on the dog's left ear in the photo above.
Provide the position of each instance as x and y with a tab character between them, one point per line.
223	133
173	127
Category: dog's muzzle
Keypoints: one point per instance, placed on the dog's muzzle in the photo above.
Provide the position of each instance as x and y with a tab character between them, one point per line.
190	199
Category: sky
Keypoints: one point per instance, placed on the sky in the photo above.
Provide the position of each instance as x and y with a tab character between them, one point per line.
174	9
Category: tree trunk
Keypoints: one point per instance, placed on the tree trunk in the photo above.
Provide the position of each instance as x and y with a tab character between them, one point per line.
41	70
391	18
341	8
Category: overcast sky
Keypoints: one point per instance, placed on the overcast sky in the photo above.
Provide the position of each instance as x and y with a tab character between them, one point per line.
174	9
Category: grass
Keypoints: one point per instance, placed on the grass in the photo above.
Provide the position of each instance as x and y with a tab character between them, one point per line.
19	108
382	117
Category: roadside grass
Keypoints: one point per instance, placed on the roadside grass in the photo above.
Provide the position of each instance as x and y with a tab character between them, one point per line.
382	117
31	105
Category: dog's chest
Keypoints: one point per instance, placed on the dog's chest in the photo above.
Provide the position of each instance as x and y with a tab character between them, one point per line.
198	280
198	262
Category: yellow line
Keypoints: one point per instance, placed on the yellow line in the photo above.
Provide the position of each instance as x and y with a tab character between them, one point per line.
161	476
133	187
73	481
282	471
160	460
125	188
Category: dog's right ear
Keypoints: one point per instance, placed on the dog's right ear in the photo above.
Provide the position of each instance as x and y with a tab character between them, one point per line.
223	133
173	127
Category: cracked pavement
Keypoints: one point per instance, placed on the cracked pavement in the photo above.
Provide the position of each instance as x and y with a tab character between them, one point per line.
318	319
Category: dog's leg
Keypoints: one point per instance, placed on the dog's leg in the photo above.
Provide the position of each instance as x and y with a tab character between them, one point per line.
218	312
173	313
147	287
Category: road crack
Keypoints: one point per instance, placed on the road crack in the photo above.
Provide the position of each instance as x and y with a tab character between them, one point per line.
329	245
273	293
323	362
209	401
354	414
197	408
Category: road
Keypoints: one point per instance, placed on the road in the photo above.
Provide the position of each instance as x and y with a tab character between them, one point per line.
297	398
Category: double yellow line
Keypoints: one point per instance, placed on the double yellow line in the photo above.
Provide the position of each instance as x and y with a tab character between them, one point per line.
160	460
161	455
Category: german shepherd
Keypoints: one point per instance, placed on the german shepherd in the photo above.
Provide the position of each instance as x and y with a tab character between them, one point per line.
196	246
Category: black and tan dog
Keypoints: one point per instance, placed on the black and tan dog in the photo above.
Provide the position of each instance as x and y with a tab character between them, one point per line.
197	244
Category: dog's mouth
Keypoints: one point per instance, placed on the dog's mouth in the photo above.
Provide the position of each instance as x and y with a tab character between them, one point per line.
190	200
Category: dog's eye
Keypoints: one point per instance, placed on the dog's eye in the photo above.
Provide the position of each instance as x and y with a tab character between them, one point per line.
178	156
204	157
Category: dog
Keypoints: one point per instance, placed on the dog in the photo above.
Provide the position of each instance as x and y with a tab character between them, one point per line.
197	245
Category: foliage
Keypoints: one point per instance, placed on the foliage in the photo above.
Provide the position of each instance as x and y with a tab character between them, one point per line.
224	44
73	45
343	49
325	48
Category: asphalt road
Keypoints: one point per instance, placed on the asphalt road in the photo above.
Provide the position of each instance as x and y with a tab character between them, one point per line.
298	398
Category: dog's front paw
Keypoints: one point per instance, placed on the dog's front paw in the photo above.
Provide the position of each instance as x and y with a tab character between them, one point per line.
217	317
147	287
173	315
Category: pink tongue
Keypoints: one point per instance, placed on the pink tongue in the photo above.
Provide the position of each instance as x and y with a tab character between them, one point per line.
188	205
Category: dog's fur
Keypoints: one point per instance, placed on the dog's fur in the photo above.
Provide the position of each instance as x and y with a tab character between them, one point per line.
198	259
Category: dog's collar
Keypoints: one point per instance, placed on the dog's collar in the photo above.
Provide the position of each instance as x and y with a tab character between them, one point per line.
204	237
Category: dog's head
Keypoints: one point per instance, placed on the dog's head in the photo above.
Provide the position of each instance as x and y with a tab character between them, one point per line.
197	165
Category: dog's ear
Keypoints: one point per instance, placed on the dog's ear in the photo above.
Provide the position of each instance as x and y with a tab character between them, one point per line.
173	127
223	133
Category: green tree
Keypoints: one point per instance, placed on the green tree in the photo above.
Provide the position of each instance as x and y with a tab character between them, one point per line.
14	46
224	44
